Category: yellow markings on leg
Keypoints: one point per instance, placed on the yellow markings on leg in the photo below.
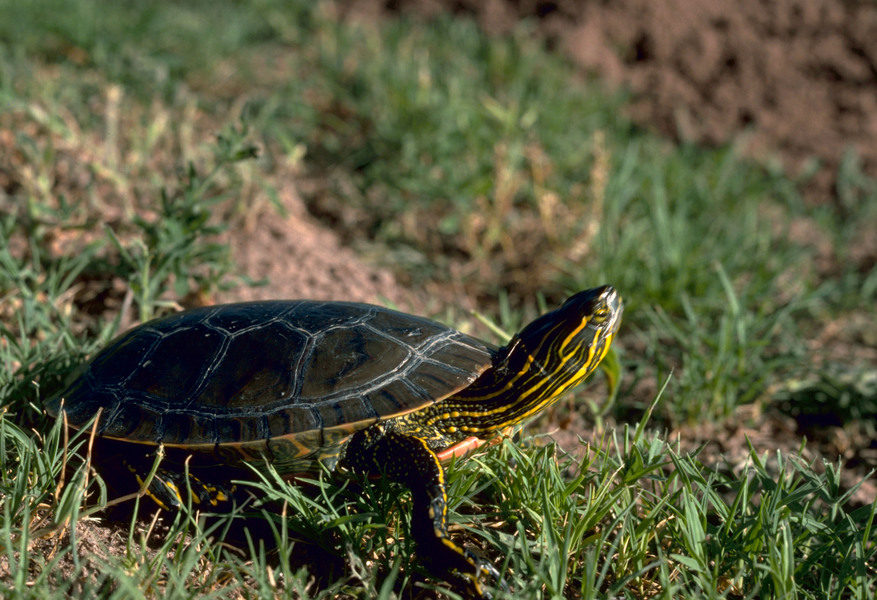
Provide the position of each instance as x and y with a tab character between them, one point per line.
215	495
168	484
202	491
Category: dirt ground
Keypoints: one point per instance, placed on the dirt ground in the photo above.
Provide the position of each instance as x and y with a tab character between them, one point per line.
797	77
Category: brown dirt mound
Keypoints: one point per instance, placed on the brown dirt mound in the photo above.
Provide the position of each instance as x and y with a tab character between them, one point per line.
798	76
297	258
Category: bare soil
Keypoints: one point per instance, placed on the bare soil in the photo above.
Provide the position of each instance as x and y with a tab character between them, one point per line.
296	257
796	78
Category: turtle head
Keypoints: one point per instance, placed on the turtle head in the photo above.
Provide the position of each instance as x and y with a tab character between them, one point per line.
568	343
549	357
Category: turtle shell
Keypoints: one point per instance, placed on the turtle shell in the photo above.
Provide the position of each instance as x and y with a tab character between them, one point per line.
293	378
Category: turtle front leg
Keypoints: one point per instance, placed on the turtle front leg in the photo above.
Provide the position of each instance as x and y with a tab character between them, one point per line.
409	461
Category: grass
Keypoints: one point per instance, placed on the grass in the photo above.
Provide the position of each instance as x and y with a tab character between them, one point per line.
467	163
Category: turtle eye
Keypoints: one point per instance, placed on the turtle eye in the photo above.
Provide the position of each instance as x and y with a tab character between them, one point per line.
600	315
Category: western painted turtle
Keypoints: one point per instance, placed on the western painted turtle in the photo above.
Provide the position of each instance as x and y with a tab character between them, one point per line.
352	386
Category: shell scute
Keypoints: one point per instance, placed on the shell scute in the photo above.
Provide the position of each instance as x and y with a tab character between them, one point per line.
168	369
254	365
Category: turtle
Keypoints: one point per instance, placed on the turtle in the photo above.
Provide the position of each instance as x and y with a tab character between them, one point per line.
346	387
